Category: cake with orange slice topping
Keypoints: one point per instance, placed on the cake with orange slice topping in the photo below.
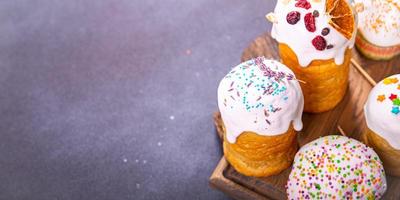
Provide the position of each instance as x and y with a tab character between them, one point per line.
382	114
378	35
315	41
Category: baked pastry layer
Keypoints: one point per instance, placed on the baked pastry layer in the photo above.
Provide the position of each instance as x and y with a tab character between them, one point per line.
325	82
256	155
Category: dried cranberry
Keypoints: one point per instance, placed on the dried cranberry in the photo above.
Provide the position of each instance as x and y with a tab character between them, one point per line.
325	31
309	21
303	4
293	17
319	43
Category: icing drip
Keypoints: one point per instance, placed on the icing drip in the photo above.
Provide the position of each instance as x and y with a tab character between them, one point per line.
260	96
309	38
379	23
382	110
336	167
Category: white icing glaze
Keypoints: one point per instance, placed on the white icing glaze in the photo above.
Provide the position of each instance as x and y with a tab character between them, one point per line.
251	99
298	38
336	167
381	114
379	23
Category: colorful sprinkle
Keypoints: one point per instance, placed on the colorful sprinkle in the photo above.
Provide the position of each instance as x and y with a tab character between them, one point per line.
270	82
392	97
396	110
396	102
388	81
381	98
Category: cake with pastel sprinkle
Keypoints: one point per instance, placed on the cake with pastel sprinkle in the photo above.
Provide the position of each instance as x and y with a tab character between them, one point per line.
261	106
382	114
336	167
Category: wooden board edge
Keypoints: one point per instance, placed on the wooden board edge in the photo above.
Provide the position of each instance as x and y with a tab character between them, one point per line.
219	181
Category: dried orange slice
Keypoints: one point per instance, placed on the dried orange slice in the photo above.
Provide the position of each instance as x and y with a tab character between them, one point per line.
342	17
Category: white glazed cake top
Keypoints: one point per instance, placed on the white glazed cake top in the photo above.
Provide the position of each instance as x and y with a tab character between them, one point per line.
382	110
379	22
261	96
336	167
299	37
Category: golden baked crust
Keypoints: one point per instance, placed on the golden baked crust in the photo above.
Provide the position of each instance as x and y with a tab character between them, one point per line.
260	156
325	82
389	156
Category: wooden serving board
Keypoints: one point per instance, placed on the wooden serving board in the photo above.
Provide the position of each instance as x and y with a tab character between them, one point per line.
348	115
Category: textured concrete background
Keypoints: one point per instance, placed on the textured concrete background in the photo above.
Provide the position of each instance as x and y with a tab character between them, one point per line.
113	99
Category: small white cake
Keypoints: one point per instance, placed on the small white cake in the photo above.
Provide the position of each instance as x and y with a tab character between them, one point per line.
261	96
382	110
336	167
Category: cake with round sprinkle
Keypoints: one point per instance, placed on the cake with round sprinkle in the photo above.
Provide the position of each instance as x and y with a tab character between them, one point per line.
261	106
336	167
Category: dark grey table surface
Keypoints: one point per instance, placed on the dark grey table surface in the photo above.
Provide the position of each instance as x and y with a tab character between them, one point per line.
113	99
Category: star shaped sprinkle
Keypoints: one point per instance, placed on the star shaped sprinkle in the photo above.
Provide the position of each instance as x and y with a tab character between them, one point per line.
396	110
396	102
381	98
392	97
388	81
